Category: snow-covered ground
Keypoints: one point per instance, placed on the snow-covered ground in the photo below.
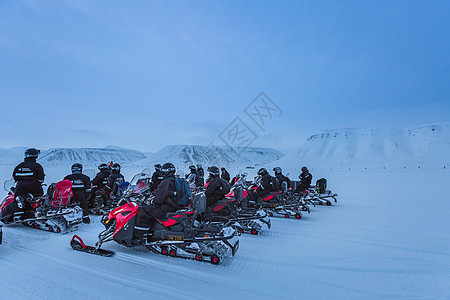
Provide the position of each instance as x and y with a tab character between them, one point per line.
387	237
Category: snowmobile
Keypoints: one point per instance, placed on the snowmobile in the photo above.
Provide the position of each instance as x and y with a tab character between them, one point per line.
276	205
179	235
318	194
52	212
106	199
233	209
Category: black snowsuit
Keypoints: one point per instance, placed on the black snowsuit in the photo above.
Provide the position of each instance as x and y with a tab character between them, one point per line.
281	178
264	188
99	183
225	175
157	177
163	203
29	176
216	190
115	176
80	183
200	177
305	181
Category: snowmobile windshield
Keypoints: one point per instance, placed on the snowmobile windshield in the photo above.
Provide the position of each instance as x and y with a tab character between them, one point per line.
90	173
138	184
9	185
191	180
241	181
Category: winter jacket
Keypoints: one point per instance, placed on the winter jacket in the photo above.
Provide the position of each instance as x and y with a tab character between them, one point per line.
101	179
305	178
216	190
29	170
80	182
225	175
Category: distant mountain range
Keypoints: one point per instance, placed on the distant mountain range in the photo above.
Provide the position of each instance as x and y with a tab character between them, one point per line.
184	155
180	155
420	147
426	147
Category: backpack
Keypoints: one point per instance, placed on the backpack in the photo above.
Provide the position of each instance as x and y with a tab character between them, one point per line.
321	185
226	187
183	193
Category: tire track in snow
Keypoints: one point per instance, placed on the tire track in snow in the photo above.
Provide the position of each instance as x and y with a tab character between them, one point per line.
143	285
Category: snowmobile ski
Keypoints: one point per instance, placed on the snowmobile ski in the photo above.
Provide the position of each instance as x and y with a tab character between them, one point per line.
78	244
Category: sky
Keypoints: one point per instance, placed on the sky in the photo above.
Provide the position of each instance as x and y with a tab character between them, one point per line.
145	74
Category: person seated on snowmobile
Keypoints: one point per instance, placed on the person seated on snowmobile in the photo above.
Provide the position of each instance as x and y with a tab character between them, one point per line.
162	204
29	176
200	175
99	183
305	180
114	180
157	177
281	178
80	183
216	190
193	172
265	186
224	174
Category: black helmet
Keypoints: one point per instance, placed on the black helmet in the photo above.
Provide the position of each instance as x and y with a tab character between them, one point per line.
222	169
115	167
262	171
158	167
168	169
103	167
214	171
304	169
192	168
277	170
32	152
77	168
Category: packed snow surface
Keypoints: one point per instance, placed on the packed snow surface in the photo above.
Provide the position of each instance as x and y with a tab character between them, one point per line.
387	237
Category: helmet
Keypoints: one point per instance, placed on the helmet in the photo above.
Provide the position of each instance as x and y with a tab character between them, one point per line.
277	170
192	168
199	166
32	152
262	171
222	169
77	168
304	169
103	167
115	167
167	169
214	171
157	167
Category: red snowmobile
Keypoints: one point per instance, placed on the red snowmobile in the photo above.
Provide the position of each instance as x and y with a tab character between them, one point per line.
233	210
178	235
52	212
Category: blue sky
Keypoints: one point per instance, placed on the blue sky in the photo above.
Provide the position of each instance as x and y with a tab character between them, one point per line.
144	74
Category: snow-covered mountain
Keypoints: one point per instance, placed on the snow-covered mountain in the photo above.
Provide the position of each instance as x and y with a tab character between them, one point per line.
183	155
89	156
420	147
7	156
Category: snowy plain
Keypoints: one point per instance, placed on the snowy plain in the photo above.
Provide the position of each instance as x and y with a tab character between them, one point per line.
387	237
